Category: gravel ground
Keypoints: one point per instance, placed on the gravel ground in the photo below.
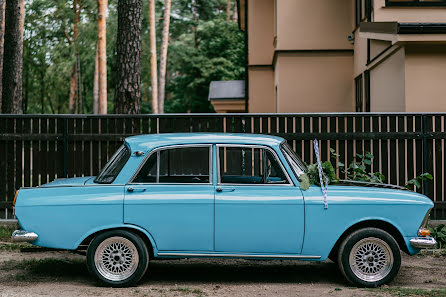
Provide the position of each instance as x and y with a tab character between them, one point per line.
65	274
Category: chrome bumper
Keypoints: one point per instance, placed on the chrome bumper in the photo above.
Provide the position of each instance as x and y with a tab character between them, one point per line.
423	242
23	236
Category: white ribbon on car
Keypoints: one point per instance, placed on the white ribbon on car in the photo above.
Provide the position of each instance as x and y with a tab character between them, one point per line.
321	176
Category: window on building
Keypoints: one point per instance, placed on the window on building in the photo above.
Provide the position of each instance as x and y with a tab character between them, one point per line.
249	165
177	165
415	2
367	90
359	91
363	11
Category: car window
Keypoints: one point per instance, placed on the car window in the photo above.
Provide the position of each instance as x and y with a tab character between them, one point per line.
293	159
114	166
249	165
177	165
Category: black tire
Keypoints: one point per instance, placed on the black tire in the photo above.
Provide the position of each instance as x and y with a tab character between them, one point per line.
369	257
121	258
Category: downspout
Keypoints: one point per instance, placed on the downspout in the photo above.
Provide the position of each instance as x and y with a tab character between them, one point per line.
246	58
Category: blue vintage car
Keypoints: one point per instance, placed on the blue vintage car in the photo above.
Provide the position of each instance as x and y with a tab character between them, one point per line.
220	195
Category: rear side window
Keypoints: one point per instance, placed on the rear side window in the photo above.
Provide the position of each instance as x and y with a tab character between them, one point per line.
249	165
114	166
190	165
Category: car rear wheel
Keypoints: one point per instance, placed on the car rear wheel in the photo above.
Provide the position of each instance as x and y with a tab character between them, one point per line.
117	258
369	257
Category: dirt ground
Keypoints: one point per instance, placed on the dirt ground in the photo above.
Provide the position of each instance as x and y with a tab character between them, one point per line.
65	274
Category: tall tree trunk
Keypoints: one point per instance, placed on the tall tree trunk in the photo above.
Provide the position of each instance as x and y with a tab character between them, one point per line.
153	66
80	103
73	88
96	83
2	36
42	92
128	85
102	55
235	14
13	57
228	10
194	27
163	55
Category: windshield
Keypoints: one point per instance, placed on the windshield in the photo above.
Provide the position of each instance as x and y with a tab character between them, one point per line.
294	160
114	166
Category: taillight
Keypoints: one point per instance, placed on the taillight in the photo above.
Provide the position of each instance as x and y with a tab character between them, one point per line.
424	232
15	197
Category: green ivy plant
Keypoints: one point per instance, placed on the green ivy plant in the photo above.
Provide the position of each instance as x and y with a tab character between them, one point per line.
439	233
356	171
417	180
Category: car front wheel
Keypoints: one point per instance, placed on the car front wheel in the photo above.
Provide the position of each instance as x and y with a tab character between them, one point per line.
117	258
369	257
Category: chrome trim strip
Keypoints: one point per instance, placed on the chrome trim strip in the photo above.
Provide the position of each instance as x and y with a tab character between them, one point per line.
23	236
218	145
263	256
158	149
423	242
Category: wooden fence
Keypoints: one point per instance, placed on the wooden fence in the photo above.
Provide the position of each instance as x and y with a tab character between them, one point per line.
36	149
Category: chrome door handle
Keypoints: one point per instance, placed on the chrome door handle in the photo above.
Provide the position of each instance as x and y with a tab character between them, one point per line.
224	189
130	189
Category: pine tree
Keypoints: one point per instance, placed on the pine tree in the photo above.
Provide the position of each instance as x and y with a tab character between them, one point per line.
12	58
128	77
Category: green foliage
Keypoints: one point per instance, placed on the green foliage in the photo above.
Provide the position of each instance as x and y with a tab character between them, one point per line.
49	56
357	170
439	233
6	232
417	180
217	55
329	176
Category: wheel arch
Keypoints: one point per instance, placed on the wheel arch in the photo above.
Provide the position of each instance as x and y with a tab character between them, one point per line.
376	223
145	236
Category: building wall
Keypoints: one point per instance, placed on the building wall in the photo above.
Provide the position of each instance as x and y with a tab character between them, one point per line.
261	32
425	78
377	47
408	14
315	24
387	84
360	56
261	90
314	82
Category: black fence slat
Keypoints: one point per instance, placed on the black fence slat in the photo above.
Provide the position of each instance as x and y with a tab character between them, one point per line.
401	157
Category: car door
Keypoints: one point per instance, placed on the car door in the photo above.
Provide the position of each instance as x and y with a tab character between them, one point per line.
257	207
172	197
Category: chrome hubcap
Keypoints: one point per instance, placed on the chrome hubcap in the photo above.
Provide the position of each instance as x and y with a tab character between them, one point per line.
116	258
371	259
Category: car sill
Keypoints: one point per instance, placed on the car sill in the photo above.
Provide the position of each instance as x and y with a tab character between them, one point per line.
263	256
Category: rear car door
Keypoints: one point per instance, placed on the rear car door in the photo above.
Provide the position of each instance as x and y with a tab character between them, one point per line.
172	197
257	207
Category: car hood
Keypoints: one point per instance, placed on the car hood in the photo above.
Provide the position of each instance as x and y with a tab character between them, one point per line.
69	182
369	184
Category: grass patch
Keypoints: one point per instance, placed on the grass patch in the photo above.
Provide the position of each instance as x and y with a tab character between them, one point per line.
7	246
37	269
197	292
408	292
433	252
6	231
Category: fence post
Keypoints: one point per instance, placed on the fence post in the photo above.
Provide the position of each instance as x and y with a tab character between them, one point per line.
65	147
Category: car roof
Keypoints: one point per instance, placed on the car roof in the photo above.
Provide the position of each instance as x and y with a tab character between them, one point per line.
149	141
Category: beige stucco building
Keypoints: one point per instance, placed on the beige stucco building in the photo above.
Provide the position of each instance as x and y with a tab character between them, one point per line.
344	55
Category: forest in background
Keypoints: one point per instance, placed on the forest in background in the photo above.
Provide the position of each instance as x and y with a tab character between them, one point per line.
60	42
